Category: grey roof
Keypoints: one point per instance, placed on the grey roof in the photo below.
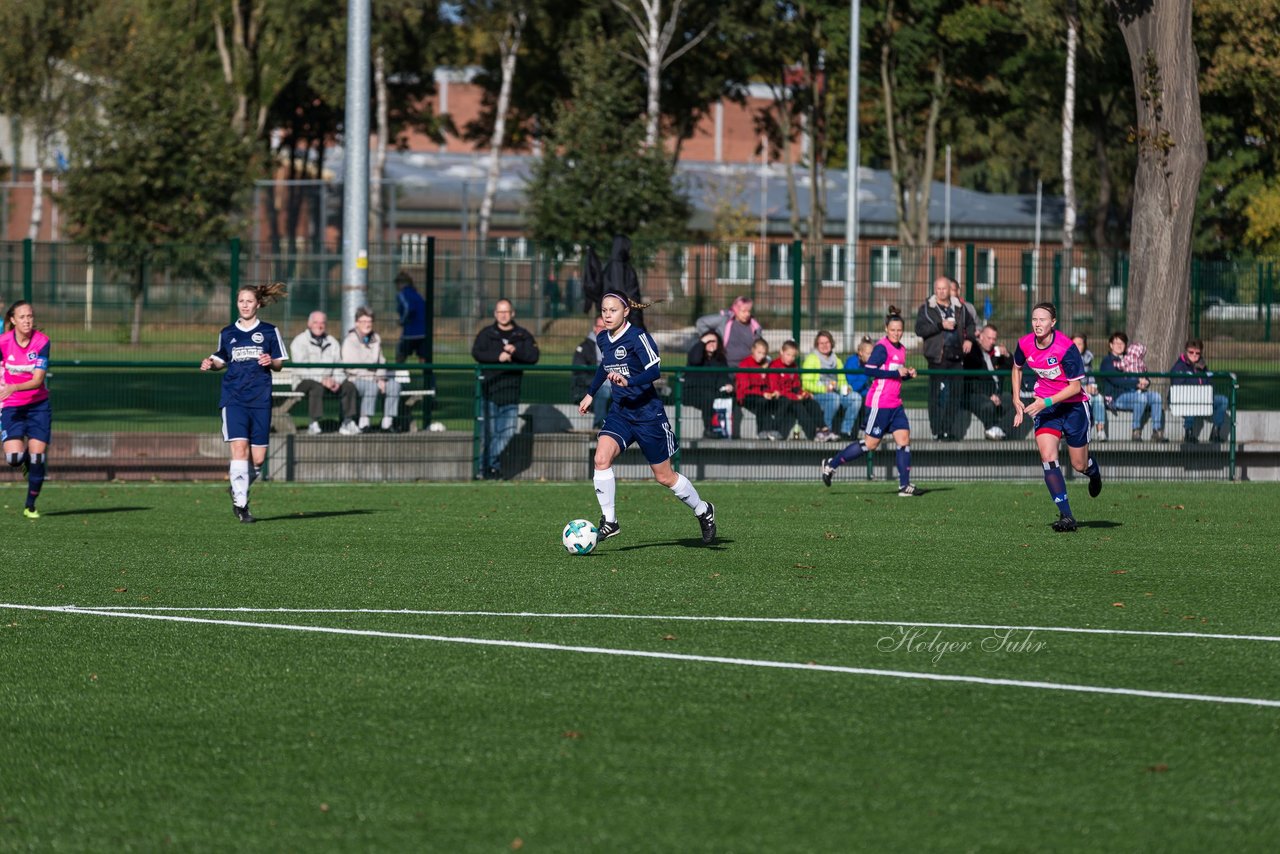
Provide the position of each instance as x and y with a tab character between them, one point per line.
433	187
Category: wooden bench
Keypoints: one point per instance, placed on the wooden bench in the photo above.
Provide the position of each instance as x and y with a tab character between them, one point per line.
284	397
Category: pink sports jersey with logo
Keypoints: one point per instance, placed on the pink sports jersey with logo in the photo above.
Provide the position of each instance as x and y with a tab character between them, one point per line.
1055	366
20	362
883	393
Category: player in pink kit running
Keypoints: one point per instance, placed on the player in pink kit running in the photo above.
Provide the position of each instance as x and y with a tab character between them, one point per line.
886	366
25	415
1061	408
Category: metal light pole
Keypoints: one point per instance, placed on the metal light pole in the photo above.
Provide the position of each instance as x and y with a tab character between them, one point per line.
851	203
355	167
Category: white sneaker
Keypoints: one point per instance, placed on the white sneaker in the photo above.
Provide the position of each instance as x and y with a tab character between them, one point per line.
1100	434
995	434
348	428
364	422
314	428
387	421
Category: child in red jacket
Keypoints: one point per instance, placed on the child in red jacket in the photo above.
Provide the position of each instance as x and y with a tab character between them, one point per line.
797	404
754	394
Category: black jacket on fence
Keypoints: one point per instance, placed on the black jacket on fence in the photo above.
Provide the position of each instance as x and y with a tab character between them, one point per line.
503	387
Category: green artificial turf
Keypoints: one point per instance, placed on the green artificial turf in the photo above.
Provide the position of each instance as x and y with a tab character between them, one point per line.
138	734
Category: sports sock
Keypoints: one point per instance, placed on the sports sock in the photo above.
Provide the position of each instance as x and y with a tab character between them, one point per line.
255	472
903	459
606	491
685	491
14	460
35	479
240	483
1092	468
1057	487
849	454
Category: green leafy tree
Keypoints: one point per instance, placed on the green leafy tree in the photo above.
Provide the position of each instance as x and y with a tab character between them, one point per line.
154	161
596	178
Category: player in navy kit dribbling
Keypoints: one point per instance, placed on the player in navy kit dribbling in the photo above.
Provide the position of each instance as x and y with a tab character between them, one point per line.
250	349
630	362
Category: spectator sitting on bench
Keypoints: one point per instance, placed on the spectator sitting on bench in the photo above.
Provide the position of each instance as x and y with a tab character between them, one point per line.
754	394
362	345
987	396
1131	393
317	347
702	389
1192	369
798	405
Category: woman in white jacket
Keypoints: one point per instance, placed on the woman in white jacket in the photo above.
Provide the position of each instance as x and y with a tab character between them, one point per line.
363	346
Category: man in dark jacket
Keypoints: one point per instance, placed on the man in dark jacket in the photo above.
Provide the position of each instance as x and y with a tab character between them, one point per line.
1192	369
947	331
988	396
501	343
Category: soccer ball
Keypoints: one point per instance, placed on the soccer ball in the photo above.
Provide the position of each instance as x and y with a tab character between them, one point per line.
579	537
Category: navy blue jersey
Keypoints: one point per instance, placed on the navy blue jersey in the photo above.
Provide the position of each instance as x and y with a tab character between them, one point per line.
247	383
632	353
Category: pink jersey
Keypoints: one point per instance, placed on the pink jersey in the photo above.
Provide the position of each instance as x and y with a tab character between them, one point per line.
885	393
20	362
1055	366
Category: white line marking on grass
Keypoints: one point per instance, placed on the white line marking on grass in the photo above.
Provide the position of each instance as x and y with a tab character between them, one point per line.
811	621
666	656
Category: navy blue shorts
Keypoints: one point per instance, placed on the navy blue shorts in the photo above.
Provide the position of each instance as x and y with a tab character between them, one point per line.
32	421
653	435
411	347
881	421
1066	419
247	423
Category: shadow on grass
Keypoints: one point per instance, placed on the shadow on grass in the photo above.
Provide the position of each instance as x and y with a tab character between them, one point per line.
688	542
1099	523
90	511
303	516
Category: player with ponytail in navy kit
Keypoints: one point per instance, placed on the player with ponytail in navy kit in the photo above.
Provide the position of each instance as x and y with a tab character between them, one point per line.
630	362
249	349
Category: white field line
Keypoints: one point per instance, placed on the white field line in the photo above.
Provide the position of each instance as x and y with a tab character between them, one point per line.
809	621
667	656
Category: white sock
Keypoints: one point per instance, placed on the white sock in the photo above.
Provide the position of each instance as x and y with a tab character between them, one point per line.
240	482
686	492
606	493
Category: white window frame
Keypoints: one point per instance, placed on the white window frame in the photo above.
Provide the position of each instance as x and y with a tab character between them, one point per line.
736	264
887	255
984	274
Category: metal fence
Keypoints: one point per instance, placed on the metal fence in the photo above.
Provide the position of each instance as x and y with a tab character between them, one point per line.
131	303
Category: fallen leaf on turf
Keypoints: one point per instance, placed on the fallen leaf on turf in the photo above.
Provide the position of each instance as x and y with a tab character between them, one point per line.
1119	572
324	808
668	637
1158	769
122	589
1117	604
571	733
803	566
715	575
517	844
830	536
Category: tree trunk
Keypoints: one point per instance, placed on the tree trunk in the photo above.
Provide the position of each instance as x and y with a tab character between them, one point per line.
1171	158
379	171
37	202
509	46
139	294
1068	135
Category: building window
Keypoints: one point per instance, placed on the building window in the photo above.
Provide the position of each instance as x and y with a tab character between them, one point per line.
886	267
735	262
413	250
834	257
780	264
984	272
